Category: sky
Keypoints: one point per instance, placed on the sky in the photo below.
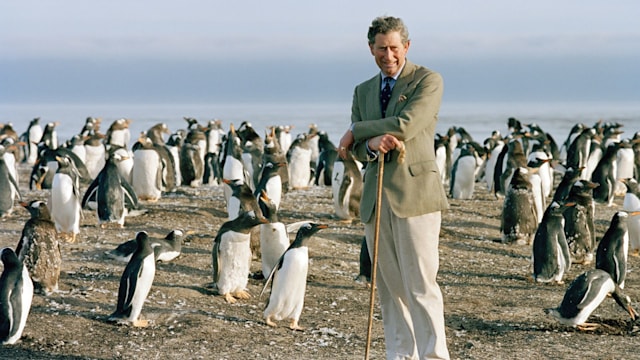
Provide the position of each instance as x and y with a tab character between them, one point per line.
195	51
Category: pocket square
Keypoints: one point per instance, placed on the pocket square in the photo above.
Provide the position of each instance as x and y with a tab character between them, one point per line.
402	98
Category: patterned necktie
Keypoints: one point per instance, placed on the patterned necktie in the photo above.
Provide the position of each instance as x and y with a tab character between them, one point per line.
385	95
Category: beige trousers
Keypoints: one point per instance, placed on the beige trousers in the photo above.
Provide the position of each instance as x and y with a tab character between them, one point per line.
410	298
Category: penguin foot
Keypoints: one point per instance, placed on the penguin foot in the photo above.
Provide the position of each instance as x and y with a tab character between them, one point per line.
294	326
242	294
635	252
588	326
229	298
140	323
270	322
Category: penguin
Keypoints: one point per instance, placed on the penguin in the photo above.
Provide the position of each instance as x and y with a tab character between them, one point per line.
16	295
95	154
39	249
579	225
76	145
164	250
242	199
519	220
573	134
578	151
231	256
233	167
252	151
65	199
613	249
289	280
631	204
535	178
147	170
542	158
118	133
299	159
273	153
326	159
284	137
364	274
624	166
191	164
462	181
584	295
135	283
442	151
551	257
346	188
112	193
156	133
270	182
32	138
8	186
125	163
212	171
174	145
563	189
91	126
494	146
274	239
605	175
595	154
514	158
49	137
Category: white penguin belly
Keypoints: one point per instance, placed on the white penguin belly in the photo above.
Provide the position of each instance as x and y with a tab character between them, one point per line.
300	168
65	205
289	285
235	258
145	172
143	286
274	241
464	178
95	158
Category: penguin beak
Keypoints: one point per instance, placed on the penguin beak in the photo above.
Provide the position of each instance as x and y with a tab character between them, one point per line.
263	196
634	213
632	313
322	226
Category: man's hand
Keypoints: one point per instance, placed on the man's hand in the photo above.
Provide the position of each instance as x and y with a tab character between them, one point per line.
346	142
384	143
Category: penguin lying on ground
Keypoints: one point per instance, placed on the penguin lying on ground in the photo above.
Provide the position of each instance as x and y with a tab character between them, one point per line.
289	280
16	294
164	250
135	284
584	295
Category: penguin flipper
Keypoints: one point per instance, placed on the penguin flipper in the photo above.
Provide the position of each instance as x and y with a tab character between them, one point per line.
130	197
15	186
215	259
91	192
273	272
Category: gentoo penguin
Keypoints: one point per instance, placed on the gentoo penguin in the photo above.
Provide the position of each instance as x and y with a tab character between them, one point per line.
613	249
299	159
16	294
191	164
174	145
118	133
493	146
273	153
125	163
39	249
233	167
346	188
274	239
242	200
595	154
49	137
8	186
462	173
212	170
514	158
443	153
579	225
605	175
147	170
584	295
519	220
91	126
326	158
573	134
135	284
624	166
164	250
252	151
270	182
541	157
283	134
578	152
113	194
65	199
76	145
32	138
231	256
551	256
563	189
631	204
289	280
535	178
156	133
95	154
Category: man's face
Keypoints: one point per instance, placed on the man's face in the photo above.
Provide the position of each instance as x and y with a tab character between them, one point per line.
389	51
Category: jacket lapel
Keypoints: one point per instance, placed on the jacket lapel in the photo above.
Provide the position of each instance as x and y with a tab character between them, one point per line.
399	88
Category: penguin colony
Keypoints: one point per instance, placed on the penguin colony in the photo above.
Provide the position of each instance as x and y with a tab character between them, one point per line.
118	181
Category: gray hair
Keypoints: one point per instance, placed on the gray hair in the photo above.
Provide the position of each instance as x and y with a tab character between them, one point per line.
385	25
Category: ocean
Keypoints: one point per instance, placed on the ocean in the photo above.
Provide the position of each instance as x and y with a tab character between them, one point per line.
479	119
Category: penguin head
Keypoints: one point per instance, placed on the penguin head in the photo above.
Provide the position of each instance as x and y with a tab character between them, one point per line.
625	302
37	209
175	235
307	230
9	258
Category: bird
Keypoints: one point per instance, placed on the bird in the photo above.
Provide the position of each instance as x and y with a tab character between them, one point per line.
32	137
535	178
605	175
164	250
631	204
518	219
231	256
463	174
326	159
346	187
65	199
299	159
584	295
16	295
274	239
551	256
8	186
613	249
39	249
135	284
147	170
242	199
579	225
118	133
112	193
270	181
289	280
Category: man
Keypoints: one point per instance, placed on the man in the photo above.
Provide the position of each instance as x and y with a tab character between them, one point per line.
413	195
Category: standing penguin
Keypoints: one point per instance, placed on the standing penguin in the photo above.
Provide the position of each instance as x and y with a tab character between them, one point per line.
65	199
605	175
462	174
32	138
299	159
535	178
39	249
613	249
551	256
631	204
519	221
16	294
112	193
118	133
570	176
289	280
135	283
274	239
584	295
578	151
95	154
347	188
146	173
233	166
326	159
231	256
241	200
579	225
271	182
8	186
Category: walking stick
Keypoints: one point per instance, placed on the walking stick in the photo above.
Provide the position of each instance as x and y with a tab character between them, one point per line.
376	237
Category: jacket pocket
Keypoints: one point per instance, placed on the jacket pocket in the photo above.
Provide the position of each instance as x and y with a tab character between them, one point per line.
423	167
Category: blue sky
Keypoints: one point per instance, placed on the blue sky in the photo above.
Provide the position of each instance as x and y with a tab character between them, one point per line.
206	51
